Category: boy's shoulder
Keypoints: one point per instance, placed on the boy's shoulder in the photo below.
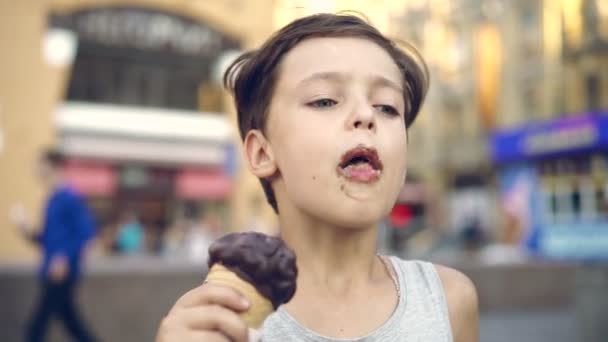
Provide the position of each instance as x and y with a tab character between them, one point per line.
460	295
462	301
455	280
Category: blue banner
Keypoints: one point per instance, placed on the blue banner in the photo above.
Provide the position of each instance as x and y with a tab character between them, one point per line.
571	135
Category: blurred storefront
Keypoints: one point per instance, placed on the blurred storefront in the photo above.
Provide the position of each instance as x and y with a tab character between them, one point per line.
154	162
550	145
498	66
131	91
553	186
144	117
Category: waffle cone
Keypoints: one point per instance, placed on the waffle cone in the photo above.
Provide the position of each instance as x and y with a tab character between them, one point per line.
260	307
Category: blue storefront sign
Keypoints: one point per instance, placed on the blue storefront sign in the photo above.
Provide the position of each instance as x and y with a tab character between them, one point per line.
567	136
526	197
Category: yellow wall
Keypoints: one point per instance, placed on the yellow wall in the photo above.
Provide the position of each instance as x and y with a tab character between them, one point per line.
30	90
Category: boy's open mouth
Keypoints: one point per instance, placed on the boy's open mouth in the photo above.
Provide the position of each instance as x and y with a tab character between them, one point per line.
361	164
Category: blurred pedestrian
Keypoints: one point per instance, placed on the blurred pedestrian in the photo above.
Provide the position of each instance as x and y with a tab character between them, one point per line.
66	230
130	237
173	238
199	235
472	234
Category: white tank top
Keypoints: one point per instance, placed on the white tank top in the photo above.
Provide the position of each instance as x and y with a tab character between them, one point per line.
421	314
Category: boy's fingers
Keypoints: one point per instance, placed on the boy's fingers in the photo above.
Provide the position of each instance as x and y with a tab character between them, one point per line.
196	336
207	336
210	294
216	318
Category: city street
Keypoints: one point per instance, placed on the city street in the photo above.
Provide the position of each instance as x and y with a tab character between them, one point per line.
523	326
118	287
469	134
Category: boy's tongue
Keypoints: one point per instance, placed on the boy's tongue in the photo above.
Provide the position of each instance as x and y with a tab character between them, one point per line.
360	172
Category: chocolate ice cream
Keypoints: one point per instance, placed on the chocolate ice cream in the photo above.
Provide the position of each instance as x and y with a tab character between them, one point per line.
263	261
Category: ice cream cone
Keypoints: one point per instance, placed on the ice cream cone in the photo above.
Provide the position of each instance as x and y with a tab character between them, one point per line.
260	306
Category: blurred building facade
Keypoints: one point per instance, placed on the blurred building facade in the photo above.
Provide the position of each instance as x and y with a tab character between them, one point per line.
549	149
507	67
131	92
129	88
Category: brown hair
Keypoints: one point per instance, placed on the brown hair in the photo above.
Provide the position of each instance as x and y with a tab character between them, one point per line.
54	157
252	76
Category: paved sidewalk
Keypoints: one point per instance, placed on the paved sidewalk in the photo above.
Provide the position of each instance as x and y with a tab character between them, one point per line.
522	326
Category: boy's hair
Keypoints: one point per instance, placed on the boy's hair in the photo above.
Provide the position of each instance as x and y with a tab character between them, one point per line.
252	77
53	157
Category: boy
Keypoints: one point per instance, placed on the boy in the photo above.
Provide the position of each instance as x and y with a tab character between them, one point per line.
323	108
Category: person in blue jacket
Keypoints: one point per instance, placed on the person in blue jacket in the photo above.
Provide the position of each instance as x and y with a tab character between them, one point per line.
67	228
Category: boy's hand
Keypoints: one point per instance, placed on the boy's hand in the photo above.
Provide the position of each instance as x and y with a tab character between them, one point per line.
58	269
206	313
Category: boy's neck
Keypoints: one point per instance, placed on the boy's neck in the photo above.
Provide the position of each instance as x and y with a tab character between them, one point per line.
329	256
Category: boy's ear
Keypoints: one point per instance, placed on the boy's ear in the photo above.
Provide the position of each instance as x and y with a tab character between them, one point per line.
259	155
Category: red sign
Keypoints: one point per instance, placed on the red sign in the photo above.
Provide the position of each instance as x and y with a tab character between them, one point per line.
203	184
91	178
401	216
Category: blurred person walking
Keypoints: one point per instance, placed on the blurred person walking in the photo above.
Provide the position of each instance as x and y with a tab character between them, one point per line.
66	229
200	234
130	237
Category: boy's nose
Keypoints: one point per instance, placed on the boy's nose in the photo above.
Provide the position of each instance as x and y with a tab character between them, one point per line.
364	124
362	117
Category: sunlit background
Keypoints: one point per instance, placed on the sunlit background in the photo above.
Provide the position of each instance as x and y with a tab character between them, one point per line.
507	163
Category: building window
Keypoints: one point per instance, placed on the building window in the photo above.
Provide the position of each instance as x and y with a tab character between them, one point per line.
592	85
141	57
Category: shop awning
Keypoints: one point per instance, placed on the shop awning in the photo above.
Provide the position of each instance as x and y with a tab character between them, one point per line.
91	178
149	135
143	122
202	184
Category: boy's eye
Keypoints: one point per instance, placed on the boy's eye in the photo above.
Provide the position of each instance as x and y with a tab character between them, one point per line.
323	103
386	109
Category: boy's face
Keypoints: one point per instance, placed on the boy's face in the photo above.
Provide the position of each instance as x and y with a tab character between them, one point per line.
336	130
